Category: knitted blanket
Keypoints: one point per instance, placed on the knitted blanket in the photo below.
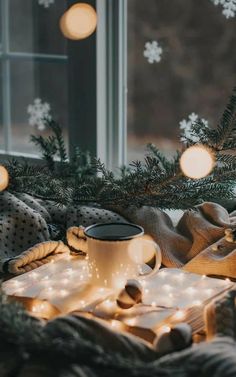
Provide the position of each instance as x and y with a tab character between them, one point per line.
191	241
74	346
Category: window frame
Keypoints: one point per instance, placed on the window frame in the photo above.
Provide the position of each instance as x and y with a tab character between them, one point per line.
100	124
6	57
112	82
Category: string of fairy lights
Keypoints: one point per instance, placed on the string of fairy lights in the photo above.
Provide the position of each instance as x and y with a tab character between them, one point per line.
51	285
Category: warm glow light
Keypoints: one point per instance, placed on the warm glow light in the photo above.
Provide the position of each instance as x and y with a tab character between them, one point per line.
34	275
191	291
131	321
4	178
162	273
108	304
79	21
197	162
63	292
179	315
209	292
179	277
163	330
116	325
39	307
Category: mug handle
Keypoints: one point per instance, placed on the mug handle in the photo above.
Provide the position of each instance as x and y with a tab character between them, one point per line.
147	240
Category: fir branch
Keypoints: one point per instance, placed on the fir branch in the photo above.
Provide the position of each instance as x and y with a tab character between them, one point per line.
158	181
226	131
60	144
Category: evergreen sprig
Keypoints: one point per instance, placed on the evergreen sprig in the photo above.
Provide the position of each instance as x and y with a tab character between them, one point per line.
158	181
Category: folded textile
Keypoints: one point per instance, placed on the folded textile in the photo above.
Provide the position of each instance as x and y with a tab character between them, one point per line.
35	256
26	221
197	229
220	316
77	346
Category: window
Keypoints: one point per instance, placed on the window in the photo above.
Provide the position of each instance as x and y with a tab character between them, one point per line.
106	91
193	70
42	72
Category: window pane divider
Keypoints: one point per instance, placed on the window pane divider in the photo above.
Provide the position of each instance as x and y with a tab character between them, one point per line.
112	82
35	56
6	81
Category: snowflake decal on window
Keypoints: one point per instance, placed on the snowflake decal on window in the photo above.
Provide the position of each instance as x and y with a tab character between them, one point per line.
46	3
229	7
187	127
38	112
152	52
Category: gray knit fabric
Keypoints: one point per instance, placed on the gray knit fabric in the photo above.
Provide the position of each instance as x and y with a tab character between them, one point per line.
25	221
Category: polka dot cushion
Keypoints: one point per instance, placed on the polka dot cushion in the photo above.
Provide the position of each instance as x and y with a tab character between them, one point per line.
89	215
25	221
20	226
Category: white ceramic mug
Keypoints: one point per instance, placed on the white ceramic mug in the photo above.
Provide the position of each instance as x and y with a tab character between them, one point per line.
116	252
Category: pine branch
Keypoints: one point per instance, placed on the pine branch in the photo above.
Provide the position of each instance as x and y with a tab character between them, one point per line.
158	181
226	131
60	144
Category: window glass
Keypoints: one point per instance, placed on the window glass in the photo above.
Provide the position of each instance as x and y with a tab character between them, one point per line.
35	65
34	26
181	61
1	113
38	89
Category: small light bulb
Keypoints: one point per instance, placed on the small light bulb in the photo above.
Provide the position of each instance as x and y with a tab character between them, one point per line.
131	321
197	162
63	292
33	275
179	315
108	303
163	330
79	21
4	178
116	325
162	273
190	291
179	277
209	291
